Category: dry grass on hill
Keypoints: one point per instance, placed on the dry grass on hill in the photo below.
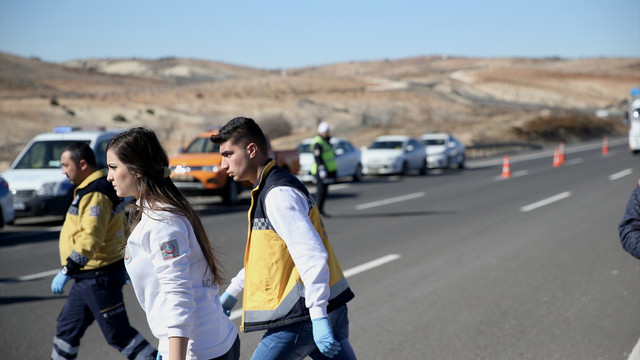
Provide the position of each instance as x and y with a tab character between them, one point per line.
480	100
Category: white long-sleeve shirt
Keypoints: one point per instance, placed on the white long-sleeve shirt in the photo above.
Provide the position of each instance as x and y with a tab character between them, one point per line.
167	270
287	209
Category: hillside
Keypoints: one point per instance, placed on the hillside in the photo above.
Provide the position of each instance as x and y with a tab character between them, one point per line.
480	100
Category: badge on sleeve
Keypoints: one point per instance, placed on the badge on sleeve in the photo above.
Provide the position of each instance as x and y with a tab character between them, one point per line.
94	211
169	249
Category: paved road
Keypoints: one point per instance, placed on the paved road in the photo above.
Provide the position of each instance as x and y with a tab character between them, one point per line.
471	266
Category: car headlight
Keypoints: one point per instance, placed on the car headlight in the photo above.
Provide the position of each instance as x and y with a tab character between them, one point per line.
54	188
212	168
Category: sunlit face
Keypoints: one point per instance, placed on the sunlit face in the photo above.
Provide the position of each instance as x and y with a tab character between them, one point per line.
124	182
70	168
236	161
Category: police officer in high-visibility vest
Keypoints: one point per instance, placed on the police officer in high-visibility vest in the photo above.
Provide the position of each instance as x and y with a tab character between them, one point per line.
325	167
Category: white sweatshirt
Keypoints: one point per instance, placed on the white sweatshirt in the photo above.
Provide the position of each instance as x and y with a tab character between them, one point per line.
167	270
287	210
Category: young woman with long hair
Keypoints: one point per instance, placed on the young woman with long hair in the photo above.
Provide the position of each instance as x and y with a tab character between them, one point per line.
173	268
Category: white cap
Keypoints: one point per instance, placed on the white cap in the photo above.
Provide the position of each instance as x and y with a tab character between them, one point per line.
323	127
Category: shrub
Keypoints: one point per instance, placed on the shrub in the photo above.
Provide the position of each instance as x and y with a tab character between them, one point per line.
275	126
566	127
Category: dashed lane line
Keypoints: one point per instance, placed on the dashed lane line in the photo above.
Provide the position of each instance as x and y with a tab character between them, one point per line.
620	174
390	200
545	202
236	314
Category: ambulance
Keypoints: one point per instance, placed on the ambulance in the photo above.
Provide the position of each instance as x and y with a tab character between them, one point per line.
35	177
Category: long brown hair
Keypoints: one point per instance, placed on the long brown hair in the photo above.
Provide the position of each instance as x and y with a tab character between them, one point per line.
141	151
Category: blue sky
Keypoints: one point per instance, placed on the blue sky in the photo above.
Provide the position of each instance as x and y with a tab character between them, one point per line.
286	34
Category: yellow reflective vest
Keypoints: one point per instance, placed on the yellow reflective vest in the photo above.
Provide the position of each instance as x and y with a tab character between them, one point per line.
328	156
273	289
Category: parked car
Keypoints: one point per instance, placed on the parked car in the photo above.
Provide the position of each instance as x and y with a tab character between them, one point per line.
35	178
394	154
196	169
348	159
7	214
443	150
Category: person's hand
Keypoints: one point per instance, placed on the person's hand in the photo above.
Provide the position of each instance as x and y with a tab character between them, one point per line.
58	283
158	357
228	302
127	279
323	337
322	172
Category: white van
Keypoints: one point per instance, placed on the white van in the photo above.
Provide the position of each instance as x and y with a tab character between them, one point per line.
35	177
634	121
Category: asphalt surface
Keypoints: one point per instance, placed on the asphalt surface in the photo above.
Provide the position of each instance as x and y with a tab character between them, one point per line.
458	264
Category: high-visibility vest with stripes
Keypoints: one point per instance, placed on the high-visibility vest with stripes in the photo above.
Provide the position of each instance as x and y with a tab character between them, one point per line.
328	156
273	289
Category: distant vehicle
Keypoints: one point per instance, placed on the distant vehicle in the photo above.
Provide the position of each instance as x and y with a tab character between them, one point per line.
35	177
443	150
197	169
7	214
394	154
634	121
348	160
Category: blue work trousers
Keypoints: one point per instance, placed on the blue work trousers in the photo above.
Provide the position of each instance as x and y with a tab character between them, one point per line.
294	342
98	298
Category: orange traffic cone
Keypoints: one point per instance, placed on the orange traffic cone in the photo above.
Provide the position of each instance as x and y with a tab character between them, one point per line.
605	146
561	151
557	161
506	167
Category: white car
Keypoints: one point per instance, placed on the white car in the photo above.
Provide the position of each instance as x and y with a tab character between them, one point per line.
35	177
347	159
443	150
7	215
394	154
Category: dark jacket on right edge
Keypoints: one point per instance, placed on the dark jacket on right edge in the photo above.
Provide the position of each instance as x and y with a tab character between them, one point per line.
629	227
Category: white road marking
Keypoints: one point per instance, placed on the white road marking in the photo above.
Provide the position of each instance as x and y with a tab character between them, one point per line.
546	201
513	175
620	174
573	162
33	276
236	314
390	200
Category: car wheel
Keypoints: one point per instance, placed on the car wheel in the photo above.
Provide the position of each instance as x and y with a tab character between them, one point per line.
358	175
423	169
461	163
405	169
230	196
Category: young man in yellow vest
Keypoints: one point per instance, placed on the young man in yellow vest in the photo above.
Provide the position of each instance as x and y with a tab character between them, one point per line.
325	166
293	285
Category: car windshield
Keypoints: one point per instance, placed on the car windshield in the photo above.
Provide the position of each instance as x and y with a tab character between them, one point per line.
428	142
202	145
397	145
304	148
44	155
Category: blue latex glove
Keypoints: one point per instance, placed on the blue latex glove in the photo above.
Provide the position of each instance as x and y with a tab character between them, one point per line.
228	302
58	283
323	337
158	357
127	279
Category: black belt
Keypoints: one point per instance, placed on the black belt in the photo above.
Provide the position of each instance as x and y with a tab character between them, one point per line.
105	270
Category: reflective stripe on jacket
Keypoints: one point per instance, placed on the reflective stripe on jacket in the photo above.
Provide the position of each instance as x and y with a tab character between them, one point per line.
328	156
273	289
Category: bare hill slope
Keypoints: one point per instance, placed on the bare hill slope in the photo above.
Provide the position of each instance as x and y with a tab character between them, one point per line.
480	100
